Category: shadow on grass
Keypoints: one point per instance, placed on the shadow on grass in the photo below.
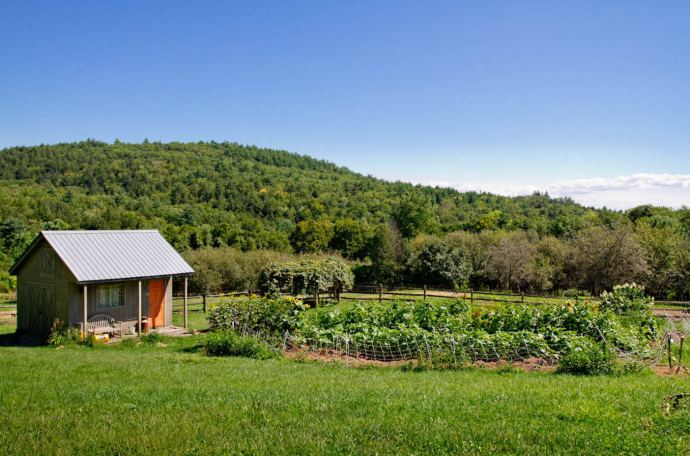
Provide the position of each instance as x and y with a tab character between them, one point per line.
21	339
196	348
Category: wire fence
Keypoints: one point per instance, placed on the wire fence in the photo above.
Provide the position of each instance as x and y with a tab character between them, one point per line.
461	349
453	349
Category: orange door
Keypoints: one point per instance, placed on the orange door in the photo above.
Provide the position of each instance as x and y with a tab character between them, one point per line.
157	303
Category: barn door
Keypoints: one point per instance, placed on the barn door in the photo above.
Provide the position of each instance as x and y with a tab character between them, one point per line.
41	308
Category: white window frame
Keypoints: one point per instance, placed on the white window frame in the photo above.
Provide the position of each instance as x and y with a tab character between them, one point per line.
111	295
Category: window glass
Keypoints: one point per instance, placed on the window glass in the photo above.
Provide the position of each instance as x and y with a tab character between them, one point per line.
102	296
110	295
116	295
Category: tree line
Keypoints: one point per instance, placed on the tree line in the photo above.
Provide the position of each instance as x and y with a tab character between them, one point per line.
234	197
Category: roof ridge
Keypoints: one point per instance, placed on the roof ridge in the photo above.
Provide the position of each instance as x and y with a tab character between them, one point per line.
96	231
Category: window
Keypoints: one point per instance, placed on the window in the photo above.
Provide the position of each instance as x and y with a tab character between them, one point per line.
110	295
47	266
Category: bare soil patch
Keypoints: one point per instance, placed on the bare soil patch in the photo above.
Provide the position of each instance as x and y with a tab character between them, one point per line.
665	371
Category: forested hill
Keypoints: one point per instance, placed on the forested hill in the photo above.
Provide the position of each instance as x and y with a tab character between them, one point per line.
93	184
260	193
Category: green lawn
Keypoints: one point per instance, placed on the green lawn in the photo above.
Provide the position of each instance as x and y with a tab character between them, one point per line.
152	400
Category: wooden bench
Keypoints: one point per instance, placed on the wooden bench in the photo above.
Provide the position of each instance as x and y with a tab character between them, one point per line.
101	323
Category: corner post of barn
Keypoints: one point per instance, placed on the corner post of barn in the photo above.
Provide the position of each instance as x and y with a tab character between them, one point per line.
185	302
139	312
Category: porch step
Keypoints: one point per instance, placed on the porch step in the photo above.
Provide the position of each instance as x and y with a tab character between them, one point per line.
172	331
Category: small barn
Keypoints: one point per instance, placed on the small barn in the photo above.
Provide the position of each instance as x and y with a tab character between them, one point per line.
78	277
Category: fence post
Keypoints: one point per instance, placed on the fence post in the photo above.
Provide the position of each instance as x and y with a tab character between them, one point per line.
471	295
380	292
204	297
425	292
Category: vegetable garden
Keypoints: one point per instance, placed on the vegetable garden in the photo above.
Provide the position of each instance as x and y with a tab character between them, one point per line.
618	333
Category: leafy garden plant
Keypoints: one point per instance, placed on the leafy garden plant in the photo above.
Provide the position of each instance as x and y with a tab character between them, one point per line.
626	298
251	314
587	357
60	334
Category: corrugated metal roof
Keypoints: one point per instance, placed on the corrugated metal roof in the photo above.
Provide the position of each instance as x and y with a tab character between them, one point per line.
96	256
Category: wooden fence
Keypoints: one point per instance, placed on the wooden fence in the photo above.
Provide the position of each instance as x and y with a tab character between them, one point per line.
207	299
389	293
8	313
428	292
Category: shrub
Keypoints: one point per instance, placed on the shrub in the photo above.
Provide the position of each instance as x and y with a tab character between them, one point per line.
229	343
587	357
574	292
626	298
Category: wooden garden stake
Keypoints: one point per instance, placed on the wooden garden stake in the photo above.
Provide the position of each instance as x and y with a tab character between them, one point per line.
425	292
680	354
669	352
471	295
523	297
380	292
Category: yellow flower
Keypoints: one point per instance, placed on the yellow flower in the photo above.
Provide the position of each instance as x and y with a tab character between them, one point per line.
307	306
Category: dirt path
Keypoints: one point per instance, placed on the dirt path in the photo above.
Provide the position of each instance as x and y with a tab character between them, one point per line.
676	314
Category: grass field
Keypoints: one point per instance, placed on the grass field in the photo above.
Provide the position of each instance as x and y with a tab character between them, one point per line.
150	400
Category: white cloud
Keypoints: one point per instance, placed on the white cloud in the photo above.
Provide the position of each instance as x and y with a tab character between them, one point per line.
622	192
633	181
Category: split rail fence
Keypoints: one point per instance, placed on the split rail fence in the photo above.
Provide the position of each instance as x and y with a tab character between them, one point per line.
380	293
8	313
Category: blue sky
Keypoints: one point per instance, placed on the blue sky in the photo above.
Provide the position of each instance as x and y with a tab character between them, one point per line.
589	99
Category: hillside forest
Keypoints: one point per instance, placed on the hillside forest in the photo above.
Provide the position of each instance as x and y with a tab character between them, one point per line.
230	209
